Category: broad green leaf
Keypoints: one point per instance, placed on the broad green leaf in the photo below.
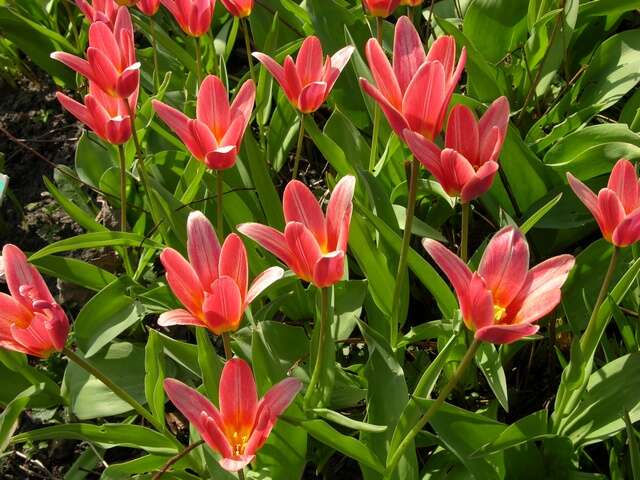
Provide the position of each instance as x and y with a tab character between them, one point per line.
595	8
154	366
74	271
11	414
527	429
488	360
210	364
348	422
536	216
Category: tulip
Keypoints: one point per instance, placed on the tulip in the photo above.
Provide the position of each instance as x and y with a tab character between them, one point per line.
107	116
193	16
615	208
100	11
111	57
313	246
126	3
243	424
467	166
411	3
307	82
503	299
381	8
212	284
415	93
239	8
31	321
149	7
214	137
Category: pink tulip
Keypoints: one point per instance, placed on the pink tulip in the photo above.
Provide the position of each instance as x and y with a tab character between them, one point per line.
149	7
193	16
212	285
307	83
468	164
111	57
415	93
243	424
615	208
381	8
107	116
313	246
31	321
503	299
238	8
100	11
214	137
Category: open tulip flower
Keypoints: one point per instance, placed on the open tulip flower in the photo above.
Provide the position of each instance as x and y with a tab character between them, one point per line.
238	8
193	16
414	94
616	207
212	285
31	321
503	299
99	11
111	57
313	246
381	8
243	423
467	166
149	7
307	82
107	116
214	137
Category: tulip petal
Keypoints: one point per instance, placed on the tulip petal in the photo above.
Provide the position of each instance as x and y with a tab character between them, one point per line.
300	205
270	239
329	269
309	60
242	105
496	116
276	70
339	212
101	37
238	397
312	97
304	247
394	116
338	61
628	231
221	158
505	264
180	124
383	74
76	109
236	463
477	308
462	133
12	311
233	262
624	182
203	248
77	64
587	197
35	337
457	172
501	334
223	307
424	100
262	282
179	317
104	73
611	210
443	51
294	86
408	52
182	280
426	152
19	273
480	182
490	146
213	106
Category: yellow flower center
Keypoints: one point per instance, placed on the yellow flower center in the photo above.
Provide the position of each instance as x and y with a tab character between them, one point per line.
499	312
238	443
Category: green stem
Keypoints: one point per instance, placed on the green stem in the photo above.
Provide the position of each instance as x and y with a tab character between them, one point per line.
219	200
176	458
247	45
404	249
464	236
633	446
241	474
120	392
296	161
226	341
317	369
507	187
448	388
123	188
154	45
198	63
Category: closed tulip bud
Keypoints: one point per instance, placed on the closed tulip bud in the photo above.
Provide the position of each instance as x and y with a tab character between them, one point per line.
149	7
99	11
193	16
381	8
238	8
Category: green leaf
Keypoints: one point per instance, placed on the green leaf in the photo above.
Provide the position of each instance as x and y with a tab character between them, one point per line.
96	240
607	7
93	158
488	360
85	220
536	216
210	364
634	451
527	429
74	271
340	419
11	414
154	375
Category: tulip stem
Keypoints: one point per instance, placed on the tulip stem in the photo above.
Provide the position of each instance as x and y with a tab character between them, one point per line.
120	392
379	29
176	458
444	393
219	200
296	160
154	45
373	156
196	40
404	249
317	369
241	474
123	188
247	45
226	341
464	235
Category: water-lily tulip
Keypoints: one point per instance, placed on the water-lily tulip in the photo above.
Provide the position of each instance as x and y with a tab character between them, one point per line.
213	284
111	57
414	94
107	116
313	246
616	207
307	82
193	16
215	135
31	321
149	7
381	8
239	8
99	11
502	300
243	423
469	162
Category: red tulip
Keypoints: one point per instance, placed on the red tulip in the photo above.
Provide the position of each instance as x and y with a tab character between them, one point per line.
107	116
615	208
307	82
100	11
31	321
212	285
468	164
149	7
503	299
111	55
214	137
193	16
243	424
238	8
415	93
381	8
312	246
